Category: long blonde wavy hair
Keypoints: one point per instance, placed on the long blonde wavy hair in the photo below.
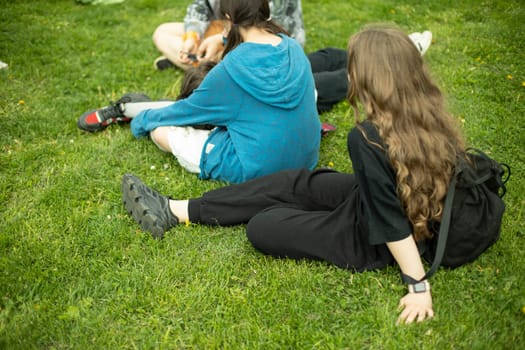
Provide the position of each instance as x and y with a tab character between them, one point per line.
389	79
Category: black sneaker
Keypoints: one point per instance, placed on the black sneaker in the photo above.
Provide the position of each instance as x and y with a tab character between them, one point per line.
98	119
149	209
162	63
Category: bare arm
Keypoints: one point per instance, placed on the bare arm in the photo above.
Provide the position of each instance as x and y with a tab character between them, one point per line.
414	306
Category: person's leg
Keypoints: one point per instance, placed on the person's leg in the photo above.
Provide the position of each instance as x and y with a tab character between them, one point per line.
159	136
235	204
168	40
98	119
332	88
329	66
132	109
328	59
186	144
336	236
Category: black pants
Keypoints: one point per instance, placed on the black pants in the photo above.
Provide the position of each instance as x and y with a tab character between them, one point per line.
329	67
297	214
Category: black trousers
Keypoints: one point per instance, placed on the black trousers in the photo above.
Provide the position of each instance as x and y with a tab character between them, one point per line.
329	67
297	214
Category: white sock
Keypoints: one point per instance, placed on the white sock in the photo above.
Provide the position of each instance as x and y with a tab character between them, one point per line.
132	109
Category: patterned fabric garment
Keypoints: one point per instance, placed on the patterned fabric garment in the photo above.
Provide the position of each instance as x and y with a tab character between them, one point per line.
287	13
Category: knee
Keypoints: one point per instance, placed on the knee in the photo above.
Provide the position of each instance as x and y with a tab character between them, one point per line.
155	135
159	136
257	230
158	34
165	32
265	231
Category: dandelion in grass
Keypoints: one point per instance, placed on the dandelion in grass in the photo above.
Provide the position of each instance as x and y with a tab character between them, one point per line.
523	83
509	76
331	164
21	102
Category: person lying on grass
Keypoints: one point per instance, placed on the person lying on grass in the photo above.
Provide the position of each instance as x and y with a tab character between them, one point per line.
261	97
403	153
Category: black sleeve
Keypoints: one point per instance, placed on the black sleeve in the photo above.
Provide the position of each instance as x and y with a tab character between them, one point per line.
376	181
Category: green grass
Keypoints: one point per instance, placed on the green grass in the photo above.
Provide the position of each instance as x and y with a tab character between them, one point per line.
77	273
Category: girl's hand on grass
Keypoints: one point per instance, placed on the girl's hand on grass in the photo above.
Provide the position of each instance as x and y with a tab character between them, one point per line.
415	307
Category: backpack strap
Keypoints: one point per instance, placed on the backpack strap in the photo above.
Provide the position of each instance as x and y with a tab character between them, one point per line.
442	235
443	229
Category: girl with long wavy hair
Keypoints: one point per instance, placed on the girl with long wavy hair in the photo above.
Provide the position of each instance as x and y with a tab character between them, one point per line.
403	150
421	139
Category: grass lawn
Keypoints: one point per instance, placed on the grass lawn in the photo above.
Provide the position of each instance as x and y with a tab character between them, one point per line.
77	273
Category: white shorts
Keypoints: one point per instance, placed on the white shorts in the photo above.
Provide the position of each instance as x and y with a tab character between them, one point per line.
186	144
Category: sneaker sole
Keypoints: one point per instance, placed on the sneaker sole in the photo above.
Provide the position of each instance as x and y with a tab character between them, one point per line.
89	127
140	213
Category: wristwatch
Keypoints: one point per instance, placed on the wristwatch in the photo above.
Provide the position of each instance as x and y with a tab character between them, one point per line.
419	287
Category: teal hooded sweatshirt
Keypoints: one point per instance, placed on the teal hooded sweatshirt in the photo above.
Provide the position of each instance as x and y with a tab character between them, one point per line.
262	100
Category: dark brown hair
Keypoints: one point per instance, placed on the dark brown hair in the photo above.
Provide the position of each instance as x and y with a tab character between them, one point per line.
246	13
193	78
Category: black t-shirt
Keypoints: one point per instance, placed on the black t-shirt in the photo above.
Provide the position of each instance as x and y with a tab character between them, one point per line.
376	179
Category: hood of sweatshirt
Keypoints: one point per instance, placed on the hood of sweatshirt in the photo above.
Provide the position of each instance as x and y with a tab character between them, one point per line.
276	75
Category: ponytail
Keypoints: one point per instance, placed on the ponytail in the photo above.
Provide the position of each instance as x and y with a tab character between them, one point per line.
247	13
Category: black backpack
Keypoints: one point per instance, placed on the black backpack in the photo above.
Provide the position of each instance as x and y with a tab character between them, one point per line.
472	214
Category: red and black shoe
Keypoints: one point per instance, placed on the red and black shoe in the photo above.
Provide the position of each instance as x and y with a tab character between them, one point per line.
327	128
98	119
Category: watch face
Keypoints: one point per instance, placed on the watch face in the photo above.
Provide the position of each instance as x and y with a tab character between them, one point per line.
420	287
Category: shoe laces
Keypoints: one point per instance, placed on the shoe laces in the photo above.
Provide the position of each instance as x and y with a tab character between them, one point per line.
112	111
